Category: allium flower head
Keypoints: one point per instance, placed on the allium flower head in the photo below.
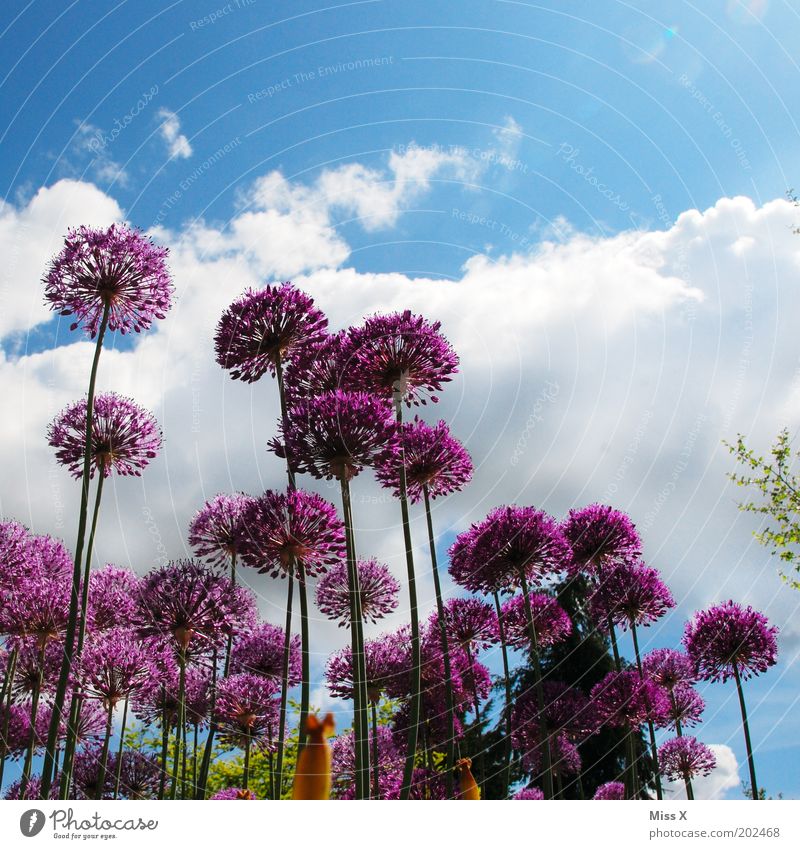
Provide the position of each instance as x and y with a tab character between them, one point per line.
387	659
492	554
125	436
324	365
113	666
532	793
565	758
669	668
470	623
336	434
117	267
610	790
629	593
550	620
729	636
113	595
599	534
685	706
433	459
624	699
30	669
18	735
139	774
247	710
86	773
378	591
218	529
13	551
37	608
48	558
567	710
283	528
230	793
264	326
404	354
390	765
684	758
260	652
33	789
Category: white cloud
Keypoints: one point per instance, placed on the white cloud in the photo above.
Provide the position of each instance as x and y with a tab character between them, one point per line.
723	778
177	143
508	137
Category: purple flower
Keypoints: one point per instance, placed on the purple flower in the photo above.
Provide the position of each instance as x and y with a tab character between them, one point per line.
139	774
13	552
533	793
378	592
567	711
623	699
565	758
19	728
685	706
318	367
433	459
336	434
629	594
390	765
219	528
427	784
125	437
610	790
33	789
260	652
119	268
47	558
113	666
669	668
684	758
402	353
37	608
387	661
599	534
283	528
264	326
29	666
512	541
234	793
729	636
550	620
470	623
113	594
86	773
247	710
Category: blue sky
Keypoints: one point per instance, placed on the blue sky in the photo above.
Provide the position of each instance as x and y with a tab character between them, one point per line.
585	193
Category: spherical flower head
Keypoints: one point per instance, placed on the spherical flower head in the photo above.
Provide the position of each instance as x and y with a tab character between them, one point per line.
623	699
336	434
140	774
37	608
260	652
628	594
230	793
599	534
669	668
564	755
218	529
113	666
323	365
186	601
247	710
470	677
118	268
730	637
48	559
686	706
390	765
511	543
433	459
33	789
18	735
533	793
113	595
685	758
13	552
284	528
264	327
86	773
387	660
610	790
550	620
470	623
378	592
125	437
157	700
30	667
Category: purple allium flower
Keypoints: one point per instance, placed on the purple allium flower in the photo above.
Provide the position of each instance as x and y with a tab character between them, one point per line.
91	723
18	736
624	699
470	677
669	668
428	784
387	660
567	710
402	353
47	558
113	666
319	367
533	793
113	594
550	620
117	267
264	326
390	765
684	758
157	700
186	600
86	773
629	594
218	529
470	623
565	758
378	591
729	636
139	774
510	541
260	652
599	534
37	608
433	459
234	793
283	528
247	710
336	434
13	552
33	789
125	436
29	666
685	706
610	790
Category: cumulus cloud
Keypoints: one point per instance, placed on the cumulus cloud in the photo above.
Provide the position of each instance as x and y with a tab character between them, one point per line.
177	143
723	778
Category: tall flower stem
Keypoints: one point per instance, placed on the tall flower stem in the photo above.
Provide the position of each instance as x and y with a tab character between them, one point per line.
120	750
246	771
416	646
650	726
162	784
376	773
538	687
679	732
69	641
287	640
305	676
751	765
37	689
630	766
200	787
478	762
507	706
101	775
194	758
8	685
176	758
448	675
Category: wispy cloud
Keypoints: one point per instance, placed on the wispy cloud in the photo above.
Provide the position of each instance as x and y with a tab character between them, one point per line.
177	143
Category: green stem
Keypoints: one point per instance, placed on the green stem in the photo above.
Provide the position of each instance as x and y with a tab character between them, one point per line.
162	785
507	706
751	765
37	689
11	669
305	683
450	761
194	760
478	761
287	640
376	773
121	748
101	776
69	641
246	776
176	757
200	789
679	732
650	726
